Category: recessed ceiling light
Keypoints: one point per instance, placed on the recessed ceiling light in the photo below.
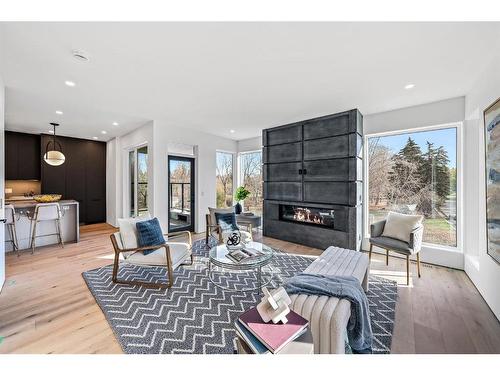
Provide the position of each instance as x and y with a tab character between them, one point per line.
70	83
232	131
59	112
115	123
409	86
104	132
95	138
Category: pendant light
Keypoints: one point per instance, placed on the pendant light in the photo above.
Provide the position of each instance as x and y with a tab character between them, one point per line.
52	155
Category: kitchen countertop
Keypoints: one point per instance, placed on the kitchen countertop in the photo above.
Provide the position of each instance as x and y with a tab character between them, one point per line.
33	203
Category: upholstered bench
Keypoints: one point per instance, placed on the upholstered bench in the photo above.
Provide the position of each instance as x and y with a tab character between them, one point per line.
328	316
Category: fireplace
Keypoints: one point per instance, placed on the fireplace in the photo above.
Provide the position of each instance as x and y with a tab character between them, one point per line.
307	215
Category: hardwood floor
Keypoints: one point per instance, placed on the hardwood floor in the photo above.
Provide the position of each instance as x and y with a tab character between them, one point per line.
45	306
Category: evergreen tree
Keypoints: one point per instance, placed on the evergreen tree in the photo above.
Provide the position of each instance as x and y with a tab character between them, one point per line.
434	170
406	163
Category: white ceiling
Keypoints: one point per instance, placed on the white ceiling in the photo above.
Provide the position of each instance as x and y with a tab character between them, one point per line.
220	76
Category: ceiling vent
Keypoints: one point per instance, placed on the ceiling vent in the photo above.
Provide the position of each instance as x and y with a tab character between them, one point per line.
80	55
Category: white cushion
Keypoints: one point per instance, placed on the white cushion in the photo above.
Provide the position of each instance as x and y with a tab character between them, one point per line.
128	231
178	252
212	212
399	226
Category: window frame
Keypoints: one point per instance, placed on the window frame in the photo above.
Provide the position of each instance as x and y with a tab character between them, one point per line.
136	179
366	209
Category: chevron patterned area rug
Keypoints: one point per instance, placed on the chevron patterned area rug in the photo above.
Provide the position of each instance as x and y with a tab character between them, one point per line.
197	317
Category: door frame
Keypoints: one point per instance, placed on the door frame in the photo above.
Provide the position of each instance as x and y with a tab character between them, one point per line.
191	160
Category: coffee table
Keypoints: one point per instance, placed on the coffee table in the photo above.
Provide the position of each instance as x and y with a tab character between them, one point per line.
218	259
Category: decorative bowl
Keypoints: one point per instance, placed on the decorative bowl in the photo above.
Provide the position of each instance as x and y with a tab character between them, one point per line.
47	198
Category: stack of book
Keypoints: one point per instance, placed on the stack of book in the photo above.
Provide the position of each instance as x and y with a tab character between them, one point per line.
243	253
268	338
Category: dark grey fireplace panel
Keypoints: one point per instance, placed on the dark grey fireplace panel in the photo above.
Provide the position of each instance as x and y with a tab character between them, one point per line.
288	191
284	135
315	165
284	153
282	172
346	169
346	193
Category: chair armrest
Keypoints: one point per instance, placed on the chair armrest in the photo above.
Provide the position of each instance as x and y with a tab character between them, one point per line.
181	233
376	229
416	237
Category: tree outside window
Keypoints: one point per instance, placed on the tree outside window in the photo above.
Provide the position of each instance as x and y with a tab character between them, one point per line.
251	178
224	179
416	173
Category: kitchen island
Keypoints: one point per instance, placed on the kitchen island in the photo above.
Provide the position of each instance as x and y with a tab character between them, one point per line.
70	230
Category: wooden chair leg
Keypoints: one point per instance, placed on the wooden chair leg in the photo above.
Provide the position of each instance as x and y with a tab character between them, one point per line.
115	267
207	233
418	264
387	257
370	253
14	234
407	270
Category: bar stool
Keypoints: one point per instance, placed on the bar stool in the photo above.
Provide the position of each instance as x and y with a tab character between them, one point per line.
46	212
10	221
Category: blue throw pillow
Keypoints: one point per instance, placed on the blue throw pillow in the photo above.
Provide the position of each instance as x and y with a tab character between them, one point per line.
149	233
227	221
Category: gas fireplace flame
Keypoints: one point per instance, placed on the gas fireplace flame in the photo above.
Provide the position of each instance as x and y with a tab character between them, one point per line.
305	215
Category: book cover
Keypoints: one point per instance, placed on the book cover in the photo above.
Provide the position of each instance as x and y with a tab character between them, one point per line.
253	342
274	336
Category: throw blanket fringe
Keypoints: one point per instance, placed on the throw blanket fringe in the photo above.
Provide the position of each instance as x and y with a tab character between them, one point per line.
359	330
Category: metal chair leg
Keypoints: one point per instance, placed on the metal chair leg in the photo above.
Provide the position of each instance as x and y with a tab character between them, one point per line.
14	237
370	253
418	264
59	232
407	270
33	237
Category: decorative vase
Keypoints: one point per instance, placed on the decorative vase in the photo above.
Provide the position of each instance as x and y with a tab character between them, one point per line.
237	208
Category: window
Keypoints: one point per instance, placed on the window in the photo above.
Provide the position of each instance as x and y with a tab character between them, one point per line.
251	178
138	177
224	173
416	173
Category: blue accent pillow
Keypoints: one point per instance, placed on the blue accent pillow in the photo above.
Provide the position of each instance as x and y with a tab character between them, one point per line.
149	233
227	221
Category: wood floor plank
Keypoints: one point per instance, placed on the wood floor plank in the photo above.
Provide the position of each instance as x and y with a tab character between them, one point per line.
46	307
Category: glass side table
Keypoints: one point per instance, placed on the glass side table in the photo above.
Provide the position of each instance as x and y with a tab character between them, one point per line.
218	259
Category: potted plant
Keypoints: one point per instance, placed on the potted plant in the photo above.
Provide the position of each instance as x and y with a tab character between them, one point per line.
240	195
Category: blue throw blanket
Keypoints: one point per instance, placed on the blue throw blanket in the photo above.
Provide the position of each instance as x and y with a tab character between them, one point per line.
359	330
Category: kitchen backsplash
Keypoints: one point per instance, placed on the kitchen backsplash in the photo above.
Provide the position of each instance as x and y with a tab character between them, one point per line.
20	187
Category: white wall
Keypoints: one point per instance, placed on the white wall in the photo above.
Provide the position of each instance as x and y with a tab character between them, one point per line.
206	146
2	169
481	268
250	144
163	138
117	186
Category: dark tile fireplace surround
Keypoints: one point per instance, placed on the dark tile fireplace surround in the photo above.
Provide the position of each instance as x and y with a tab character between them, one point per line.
313	181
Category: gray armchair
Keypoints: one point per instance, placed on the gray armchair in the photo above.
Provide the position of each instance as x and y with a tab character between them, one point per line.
392	244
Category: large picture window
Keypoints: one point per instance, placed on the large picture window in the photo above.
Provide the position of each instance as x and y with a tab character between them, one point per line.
251	178
416	173
224	181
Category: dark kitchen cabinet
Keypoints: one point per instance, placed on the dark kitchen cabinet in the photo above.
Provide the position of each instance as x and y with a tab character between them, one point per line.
82	176
22	156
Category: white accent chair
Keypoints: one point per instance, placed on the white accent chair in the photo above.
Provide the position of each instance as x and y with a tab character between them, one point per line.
171	255
46	212
10	222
